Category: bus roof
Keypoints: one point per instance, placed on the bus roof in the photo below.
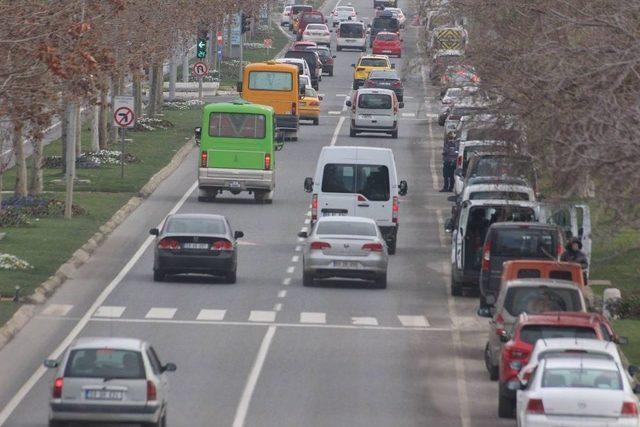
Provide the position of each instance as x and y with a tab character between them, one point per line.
272	66
238	105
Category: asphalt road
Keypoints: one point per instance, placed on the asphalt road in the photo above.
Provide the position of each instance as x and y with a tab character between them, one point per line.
266	351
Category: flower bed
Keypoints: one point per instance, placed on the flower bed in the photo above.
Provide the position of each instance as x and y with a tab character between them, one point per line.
183	105
150	124
92	160
19	211
12	262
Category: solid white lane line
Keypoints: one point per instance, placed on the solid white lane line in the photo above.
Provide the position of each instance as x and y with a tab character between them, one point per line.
310	317
161	313
111	311
364	321
277	307
408	97
414	321
335	113
298	248
408	114
252	380
295	258
57	309
286	281
307	221
35	377
341	95
290	269
441	234
208	314
262	316
282	294
432	160
334	138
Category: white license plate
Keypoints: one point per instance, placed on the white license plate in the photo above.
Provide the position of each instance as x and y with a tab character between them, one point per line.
366	116
334	213
345	264
234	184
386	51
351	41
103	394
196	246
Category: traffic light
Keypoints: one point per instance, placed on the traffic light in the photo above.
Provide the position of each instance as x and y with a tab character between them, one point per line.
245	23
201	47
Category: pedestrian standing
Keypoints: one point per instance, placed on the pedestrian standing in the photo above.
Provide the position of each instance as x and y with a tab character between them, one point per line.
573	253
449	157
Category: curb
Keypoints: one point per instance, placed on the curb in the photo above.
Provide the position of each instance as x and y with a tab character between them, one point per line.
82	255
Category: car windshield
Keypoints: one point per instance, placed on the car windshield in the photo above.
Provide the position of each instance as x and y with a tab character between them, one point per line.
387	23
316	27
351	30
374	101
371	181
347	228
373	62
308	56
310	92
270	80
581	377
312	18
195	226
105	363
472	149
498	195
532	333
237	125
387	37
537	299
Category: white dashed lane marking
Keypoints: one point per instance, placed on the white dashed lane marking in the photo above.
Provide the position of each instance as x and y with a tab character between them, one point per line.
364	321
414	321
308	317
262	316
161	313
290	269
109	311
209	314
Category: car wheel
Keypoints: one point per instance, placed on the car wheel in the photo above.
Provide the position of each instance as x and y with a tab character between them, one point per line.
158	275
307	278
259	196
355	86
506	406
493	370
352	132
231	277
394	134
456	287
441	120
316	121
339	49
331	72
381	281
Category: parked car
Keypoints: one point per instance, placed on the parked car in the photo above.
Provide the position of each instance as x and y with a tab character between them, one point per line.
387	43
351	35
441	59
386	79
580	391
326	57
284	17
527	331
343	14
344	246
501	165
531	296
195	243
374	111
466	150
318	33
111	380
507	241
310	106
358	181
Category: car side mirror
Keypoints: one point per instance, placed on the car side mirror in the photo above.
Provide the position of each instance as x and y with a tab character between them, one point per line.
403	188
334	56
303	234
348	103
622	340
448	226
238	234
504	337
320	97
633	370
401	104
239	86
302	90
453	199
169	367
353	65
484	312
154	232
393	66
197	132
50	363
308	184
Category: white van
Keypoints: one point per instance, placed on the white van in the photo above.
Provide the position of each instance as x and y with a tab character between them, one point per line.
351	35
358	181
374	110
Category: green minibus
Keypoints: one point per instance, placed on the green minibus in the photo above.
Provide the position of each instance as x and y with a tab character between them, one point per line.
237	145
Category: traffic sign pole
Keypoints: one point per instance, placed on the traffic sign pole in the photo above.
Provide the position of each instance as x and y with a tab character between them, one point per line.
122	133
200	70
123	117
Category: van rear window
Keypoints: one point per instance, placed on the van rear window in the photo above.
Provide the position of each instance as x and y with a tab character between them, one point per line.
539	299
524	243
351	30
375	101
386	23
270	80
498	195
237	125
561	275
372	181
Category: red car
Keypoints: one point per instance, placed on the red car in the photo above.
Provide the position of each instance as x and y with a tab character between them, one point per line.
304	45
306	18
530	328
387	43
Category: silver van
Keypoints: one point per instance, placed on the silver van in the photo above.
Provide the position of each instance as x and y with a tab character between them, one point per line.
374	110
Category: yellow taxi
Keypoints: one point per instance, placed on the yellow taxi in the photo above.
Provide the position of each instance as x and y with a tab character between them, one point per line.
310	106
368	63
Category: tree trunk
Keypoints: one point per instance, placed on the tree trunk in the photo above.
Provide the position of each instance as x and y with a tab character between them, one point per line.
103	128
159	73
173	74
137	95
35	185
70	117
113	130
63	137
95	128
153	87
185	66
78	132
20	189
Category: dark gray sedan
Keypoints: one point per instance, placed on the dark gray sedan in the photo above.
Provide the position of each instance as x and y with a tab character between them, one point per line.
195	243
386	79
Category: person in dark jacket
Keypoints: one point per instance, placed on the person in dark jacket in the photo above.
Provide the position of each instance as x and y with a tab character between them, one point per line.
449	157
573	253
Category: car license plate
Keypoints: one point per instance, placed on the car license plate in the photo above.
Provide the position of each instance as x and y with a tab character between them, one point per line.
346	264
351	40
365	116
334	214
386	51
303	104
234	184
196	246
103	394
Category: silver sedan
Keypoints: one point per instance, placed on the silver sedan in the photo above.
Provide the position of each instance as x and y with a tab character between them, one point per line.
345	246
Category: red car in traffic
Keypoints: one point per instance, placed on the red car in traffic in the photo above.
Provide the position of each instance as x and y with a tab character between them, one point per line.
387	43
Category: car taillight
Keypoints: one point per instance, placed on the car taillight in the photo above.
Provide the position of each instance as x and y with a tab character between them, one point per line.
168	243
294	108
629	409
319	246
560	249
394	210
535	406
152	392
314	104
372	247
396	84
459	162
57	388
267	161
203	159
369	83
486	256
222	245
306	33
314	207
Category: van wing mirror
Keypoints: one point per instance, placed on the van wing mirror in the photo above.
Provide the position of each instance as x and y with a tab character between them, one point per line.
279	143
403	188
50	363
459	172
197	134
302	90
401	104
308	184
239	86
348	103
393	66
238	234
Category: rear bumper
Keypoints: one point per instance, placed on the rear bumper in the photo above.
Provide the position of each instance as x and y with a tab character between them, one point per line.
356	44
174	263
369	267
535	420
381	51
246	179
104	413
382	129
309	114
287	122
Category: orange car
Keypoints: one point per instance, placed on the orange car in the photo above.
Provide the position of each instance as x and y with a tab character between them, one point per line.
542	269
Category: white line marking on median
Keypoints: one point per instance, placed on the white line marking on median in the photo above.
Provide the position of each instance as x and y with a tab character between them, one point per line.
334	138
414	321
364	321
290	269
335	113
441	233
298	248
313	317
252	380
295	258
286	281
35	377
341	95
161	313
57	310
282	294
408	114
262	316
110	311
207	314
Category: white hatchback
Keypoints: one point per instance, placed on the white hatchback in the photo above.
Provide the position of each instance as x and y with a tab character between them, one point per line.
318	33
342	14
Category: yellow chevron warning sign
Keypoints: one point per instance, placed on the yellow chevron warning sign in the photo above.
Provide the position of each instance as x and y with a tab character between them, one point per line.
448	38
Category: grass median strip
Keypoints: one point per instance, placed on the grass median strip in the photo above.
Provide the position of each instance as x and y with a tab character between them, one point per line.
48	242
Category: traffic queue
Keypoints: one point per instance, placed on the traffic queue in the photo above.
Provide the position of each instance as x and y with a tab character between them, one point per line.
556	358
